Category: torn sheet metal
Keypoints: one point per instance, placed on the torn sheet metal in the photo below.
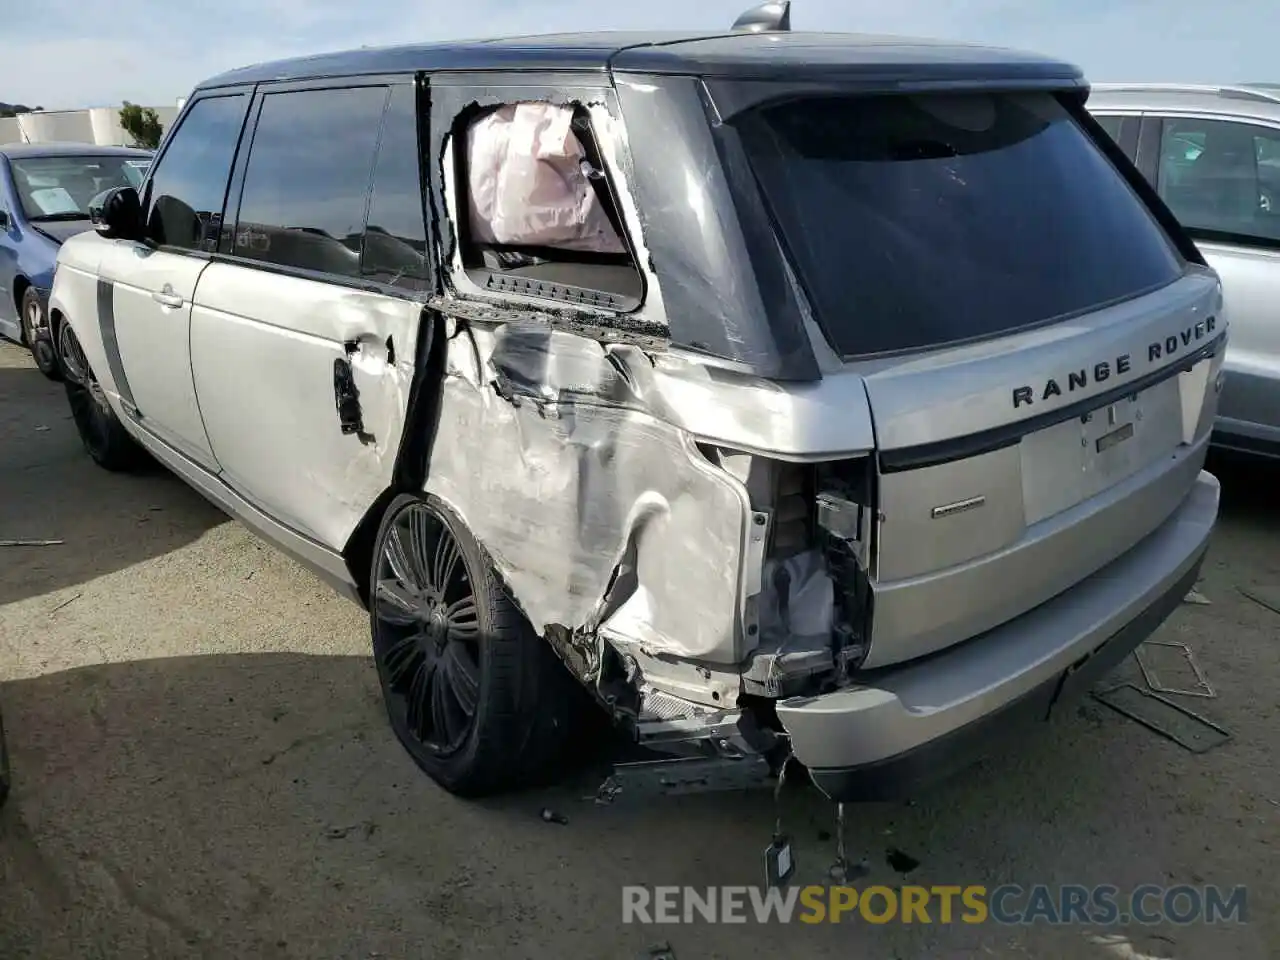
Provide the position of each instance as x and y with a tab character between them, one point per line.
547	450
530	182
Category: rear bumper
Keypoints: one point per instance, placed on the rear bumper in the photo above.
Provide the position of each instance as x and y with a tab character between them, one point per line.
902	727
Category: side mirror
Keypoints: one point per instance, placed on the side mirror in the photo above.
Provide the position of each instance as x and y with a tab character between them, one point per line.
117	214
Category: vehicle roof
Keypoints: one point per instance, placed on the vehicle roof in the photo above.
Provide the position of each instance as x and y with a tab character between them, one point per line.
746	55
1246	100
20	151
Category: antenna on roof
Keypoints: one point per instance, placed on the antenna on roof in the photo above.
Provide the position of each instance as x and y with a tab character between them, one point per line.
771	17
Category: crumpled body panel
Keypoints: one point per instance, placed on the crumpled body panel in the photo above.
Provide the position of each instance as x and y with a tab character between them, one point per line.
550	455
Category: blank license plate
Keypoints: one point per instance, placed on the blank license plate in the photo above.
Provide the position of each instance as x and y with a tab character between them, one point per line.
1120	435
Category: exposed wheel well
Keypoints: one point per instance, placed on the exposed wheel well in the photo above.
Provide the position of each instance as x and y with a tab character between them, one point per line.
415	447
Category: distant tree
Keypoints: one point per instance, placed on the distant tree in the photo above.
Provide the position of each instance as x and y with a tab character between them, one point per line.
141	123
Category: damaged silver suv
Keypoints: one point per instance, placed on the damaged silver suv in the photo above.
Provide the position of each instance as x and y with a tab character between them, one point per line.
800	396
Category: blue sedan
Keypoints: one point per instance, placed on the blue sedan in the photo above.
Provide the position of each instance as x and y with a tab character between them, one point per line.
45	190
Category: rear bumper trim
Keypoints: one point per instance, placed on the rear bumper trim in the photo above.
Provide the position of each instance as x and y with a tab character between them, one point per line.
901	728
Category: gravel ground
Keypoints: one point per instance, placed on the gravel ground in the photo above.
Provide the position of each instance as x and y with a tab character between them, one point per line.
202	768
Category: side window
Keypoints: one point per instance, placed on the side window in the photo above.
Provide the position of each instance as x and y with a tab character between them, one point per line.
538	214
395	240
1123	129
1110	123
189	185
306	185
1222	177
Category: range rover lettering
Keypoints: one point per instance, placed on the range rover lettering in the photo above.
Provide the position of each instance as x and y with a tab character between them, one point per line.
664	380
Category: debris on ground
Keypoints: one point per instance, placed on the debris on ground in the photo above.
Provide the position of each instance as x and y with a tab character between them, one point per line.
607	793
1259	601
550	816
1200	686
30	543
66	603
662	951
1161	715
1197	598
900	862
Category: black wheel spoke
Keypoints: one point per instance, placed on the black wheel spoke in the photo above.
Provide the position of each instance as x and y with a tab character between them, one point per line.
420	546
446	562
462	616
464	676
396	606
400	657
420	695
399	561
443	721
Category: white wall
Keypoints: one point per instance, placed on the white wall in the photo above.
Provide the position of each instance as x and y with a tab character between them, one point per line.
100	126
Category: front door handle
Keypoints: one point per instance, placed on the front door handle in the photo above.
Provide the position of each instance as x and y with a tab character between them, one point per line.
167	297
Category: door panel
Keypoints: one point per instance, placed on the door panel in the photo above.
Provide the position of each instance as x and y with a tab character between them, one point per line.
1222	179
147	320
263	349
1250	402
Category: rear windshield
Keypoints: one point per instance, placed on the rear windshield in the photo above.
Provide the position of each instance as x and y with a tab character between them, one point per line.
915	221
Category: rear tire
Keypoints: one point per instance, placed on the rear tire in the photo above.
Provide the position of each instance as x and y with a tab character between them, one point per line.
37	335
480	702
103	435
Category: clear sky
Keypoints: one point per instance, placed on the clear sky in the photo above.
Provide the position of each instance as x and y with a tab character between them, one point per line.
79	53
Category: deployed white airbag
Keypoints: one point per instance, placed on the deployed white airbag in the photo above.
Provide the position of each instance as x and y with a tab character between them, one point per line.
528	177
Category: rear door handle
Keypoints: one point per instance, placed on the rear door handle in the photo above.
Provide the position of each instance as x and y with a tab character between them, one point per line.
167	297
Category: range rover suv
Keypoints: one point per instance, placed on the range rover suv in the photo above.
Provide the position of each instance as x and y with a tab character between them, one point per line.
797	396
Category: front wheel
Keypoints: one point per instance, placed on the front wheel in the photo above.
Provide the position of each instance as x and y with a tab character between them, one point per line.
103	435
36	335
476	698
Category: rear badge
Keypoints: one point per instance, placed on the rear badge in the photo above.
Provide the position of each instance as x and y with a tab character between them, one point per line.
1115	437
963	506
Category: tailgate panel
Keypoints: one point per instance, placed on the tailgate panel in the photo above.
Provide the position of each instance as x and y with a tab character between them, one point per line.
990	504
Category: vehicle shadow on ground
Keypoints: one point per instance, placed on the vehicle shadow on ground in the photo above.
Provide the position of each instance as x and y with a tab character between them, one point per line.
1250	489
51	490
258	805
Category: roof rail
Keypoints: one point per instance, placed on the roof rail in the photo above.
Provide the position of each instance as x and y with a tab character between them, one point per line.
1260	92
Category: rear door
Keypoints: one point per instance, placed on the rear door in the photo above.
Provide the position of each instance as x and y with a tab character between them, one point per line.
1020	319
316	292
1221	177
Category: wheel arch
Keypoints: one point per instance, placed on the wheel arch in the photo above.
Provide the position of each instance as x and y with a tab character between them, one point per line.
416	441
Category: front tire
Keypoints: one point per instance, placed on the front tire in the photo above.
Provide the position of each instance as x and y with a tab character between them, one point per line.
36	335
103	435
481	703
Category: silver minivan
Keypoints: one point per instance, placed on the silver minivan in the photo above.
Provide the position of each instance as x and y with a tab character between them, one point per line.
774	395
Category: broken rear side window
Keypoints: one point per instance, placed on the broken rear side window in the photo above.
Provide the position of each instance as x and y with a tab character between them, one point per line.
918	221
538	215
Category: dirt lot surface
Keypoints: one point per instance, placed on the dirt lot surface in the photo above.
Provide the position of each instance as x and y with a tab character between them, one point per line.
202	769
